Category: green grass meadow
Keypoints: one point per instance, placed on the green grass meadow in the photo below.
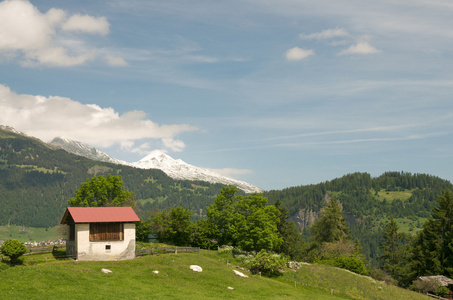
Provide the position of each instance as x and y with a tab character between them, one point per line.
42	276
25	234
392	195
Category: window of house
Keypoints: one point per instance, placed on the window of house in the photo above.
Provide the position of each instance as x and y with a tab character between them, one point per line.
106	232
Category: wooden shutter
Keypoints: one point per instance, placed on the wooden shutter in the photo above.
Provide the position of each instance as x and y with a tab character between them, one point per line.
106	232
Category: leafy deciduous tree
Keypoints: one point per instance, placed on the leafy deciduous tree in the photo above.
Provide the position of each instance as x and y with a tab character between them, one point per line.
172	226
102	191
244	221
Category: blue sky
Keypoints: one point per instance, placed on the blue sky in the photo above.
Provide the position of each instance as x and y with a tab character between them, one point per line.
275	93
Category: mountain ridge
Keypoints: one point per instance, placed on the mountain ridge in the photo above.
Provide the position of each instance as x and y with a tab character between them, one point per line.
157	159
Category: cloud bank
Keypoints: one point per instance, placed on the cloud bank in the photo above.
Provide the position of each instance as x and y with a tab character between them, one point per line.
46	38
49	117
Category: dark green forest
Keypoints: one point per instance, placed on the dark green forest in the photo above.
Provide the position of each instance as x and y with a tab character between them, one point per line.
369	203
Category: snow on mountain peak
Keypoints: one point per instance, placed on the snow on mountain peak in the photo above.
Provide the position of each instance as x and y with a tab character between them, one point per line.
160	155
178	169
157	159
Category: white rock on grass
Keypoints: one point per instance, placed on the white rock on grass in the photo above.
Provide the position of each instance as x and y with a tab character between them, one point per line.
196	268
106	271
156	272
240	273
230	288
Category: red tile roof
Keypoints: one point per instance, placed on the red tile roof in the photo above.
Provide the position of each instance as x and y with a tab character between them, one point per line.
100	214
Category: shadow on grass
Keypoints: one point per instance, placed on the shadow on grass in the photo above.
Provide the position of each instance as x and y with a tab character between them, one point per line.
60	254
6	263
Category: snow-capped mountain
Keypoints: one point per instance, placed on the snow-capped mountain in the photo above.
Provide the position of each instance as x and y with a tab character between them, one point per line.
174	168
178	169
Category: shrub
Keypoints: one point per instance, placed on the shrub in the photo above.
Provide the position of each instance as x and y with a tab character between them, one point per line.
267	263
442	291
225	249
352	263
380	275
425	286
13	249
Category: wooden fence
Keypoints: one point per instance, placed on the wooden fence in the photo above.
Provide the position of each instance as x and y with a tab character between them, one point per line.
39	249
438	297
174	249
57	252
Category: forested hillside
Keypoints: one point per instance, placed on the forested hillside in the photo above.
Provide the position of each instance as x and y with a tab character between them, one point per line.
368	202
36	181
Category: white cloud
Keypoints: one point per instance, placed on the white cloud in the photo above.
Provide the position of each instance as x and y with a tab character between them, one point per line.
38	39
174	145
325	34
297	53
360	48
115	60
49	117
88	24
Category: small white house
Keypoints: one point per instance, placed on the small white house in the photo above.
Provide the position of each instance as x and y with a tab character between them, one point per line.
100	233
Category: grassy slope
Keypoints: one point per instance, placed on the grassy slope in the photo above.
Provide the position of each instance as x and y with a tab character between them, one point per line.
392	195
25	234
134	279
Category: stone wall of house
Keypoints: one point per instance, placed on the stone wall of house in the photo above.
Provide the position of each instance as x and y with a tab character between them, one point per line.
105	250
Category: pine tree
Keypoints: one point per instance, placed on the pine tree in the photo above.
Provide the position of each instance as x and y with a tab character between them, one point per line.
395	254
331	227
433	249
390	246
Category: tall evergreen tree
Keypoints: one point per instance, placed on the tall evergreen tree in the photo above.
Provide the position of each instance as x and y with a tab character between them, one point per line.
390	246
395	255
433	248
331	227
293	243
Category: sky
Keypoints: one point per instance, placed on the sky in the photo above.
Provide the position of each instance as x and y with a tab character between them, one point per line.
275	93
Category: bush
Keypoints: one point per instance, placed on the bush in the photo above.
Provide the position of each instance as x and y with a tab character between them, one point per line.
13	249
425	286
225	249
442	291
380	275
352	263
267	263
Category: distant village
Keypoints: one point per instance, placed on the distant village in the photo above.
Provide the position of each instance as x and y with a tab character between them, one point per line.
59	241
